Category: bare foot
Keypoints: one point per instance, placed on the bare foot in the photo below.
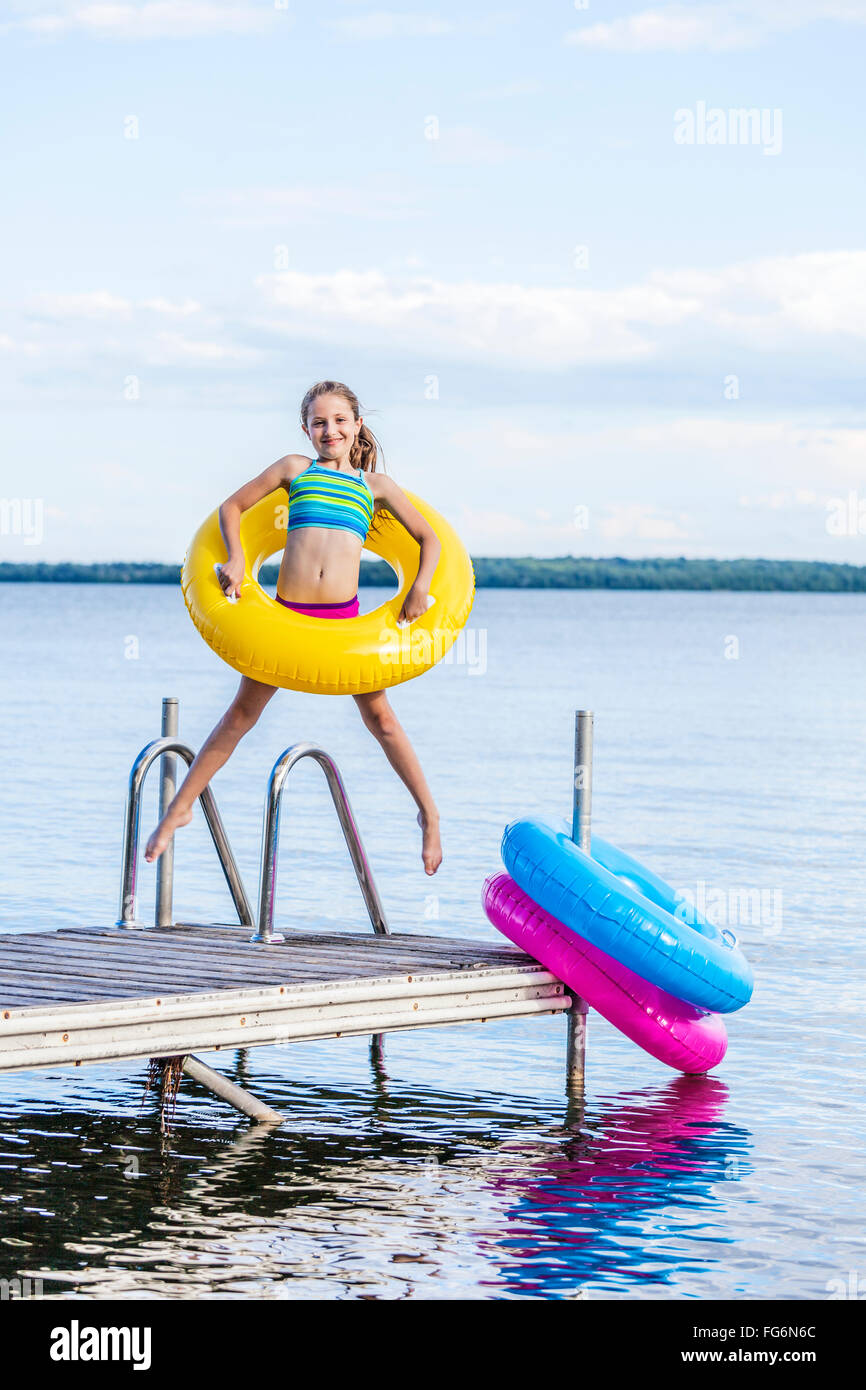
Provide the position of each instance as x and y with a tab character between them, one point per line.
161	837
431	845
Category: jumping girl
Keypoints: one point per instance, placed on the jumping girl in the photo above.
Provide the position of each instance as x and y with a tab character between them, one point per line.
332	502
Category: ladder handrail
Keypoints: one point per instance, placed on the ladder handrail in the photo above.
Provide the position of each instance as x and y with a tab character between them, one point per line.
270	834
132	825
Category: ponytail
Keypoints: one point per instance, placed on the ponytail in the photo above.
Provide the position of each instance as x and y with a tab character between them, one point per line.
365	450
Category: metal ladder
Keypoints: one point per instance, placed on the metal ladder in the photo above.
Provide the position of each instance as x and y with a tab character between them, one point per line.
166	749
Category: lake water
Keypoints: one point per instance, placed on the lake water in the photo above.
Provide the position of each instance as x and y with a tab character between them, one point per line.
729	754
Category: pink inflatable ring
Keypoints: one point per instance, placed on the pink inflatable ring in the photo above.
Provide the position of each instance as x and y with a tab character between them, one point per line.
678	1034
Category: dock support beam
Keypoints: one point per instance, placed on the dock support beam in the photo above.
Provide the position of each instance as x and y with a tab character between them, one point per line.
228	1091
575	1056
164	916
581	822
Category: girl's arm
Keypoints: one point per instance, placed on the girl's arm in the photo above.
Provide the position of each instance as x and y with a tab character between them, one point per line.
389	495
280	474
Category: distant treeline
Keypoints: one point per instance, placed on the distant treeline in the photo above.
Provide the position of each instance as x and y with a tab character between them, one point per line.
523	572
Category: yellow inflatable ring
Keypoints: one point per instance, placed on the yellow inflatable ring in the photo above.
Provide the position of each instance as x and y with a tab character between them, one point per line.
349	656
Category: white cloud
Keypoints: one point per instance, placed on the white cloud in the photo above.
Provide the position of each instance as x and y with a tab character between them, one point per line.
820	292
102	304
673	28
667	482
170	349
391	24
153	19
718	434
784	499
14	348
730	24
694	323
129	331
490	525
543	533
776	303
777	442
294	204
639	521
468	145
648	484
809	308
183	309
492	322
520	87
92	304
396	24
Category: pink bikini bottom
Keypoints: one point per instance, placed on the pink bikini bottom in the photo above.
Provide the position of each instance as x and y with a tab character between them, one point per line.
350	609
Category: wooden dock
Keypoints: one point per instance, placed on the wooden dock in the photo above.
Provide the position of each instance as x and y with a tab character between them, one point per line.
83	995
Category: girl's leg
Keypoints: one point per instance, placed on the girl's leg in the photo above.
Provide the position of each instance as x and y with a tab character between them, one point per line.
384	725
217	748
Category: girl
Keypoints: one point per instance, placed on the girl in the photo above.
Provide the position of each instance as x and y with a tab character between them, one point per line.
332	501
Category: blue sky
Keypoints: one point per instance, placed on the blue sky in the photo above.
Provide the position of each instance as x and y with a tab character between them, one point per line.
573	333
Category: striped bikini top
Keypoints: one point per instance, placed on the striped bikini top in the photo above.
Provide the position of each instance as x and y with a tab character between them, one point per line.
326	497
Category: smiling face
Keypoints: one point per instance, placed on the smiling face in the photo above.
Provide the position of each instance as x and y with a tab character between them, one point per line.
332	428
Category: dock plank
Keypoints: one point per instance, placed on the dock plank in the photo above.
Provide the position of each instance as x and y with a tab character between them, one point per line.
96	993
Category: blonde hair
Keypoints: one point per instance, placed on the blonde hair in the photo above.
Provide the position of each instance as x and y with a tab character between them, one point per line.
366	448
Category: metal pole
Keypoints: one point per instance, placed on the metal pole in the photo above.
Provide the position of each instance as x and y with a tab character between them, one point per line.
582	807
575	1055
581	823
129	865
227	1090
164	916
270	845
271	832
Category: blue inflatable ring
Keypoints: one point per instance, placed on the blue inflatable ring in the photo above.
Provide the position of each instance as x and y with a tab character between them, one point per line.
615	903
